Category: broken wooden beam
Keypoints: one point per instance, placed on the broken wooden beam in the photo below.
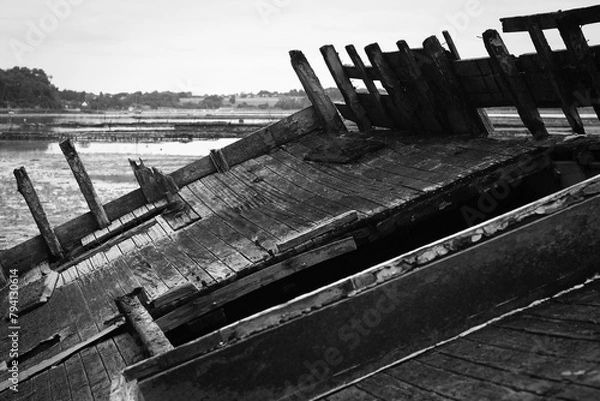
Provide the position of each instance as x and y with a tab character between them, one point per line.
218	159
506	66
342	80
314	232
85	183
548	64
582	57
25	188
370	84
216	299
154	184
326	110
139	318
462	116
405	110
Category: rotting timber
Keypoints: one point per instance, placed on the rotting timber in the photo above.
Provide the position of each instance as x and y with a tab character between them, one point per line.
243	275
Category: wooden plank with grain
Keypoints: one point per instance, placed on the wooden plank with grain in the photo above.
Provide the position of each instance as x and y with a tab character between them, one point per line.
199	253
254	281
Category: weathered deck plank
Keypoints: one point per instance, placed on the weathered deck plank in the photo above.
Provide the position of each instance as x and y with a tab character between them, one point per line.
519	357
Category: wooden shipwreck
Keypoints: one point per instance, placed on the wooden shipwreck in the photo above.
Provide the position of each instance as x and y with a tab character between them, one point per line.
339	258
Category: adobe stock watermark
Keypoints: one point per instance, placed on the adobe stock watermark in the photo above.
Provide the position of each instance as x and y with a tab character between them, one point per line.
13	330
267	9
351	335
38	32
459	21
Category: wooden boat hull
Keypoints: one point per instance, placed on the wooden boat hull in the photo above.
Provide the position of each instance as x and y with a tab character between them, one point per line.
342	332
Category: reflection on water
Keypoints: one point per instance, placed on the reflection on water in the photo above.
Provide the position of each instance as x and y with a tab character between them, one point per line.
106	164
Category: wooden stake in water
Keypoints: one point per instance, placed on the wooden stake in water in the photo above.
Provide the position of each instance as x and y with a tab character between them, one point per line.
26	189
85	183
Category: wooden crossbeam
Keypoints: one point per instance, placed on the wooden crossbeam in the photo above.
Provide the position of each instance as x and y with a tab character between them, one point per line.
558	82
405	109
581	16
29	193
326	110
582	57
340	76
505	64
85	183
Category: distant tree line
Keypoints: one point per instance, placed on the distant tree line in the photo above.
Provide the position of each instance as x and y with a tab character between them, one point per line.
22	87
25	88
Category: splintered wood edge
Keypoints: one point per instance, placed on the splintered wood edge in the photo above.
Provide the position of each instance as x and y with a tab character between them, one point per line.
366	280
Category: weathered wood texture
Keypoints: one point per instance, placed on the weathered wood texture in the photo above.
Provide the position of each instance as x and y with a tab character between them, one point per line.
32	252
548	64
549	79
328	114
332	59
139	318
505	65
211	301
377	317
154	184
583	16
462	116
85	183
25	188
540	352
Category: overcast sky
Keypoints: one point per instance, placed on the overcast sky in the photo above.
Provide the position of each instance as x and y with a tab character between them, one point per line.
227	46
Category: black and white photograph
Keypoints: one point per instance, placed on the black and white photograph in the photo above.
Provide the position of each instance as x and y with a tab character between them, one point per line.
299	200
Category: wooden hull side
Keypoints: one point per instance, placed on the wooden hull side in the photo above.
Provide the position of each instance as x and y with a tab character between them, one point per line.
364	331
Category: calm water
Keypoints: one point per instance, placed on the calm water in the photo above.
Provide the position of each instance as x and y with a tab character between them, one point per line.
106	163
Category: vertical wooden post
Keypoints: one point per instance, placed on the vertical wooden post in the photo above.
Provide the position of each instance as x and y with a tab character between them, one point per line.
462	115
25	188
505	64
342	80
418	89
323	105
451	45
85	183
405	108
483	115
558	83
369	83
582	56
